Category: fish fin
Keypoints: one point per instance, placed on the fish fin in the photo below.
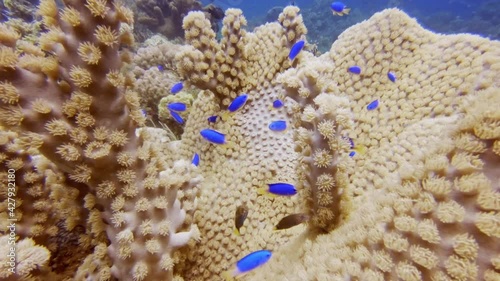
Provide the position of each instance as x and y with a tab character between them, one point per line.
347	11
237	232
227	275
360	149
225	116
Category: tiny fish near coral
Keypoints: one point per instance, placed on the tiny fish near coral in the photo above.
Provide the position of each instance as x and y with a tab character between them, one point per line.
212	119
339	9
291	221
213	136
355	69
278	126
295	50
196	159
277	103
248	263
372	105
279	188
239	218
176	88
176	117
391	76
237	103
177	106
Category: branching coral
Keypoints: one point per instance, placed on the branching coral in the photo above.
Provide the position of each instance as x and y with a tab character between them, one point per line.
70	102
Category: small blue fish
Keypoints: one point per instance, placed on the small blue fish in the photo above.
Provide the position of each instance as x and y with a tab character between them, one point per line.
213	136
177	106
160	67
391	76
355	69
237	103
351	142
176	88
277	103
144	114
279	188
196	159
372	105
295	50
339	9
278	126
177	117
248	263
352	153
212	119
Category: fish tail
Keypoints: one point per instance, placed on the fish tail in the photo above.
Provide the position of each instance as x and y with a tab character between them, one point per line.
347	11
262	191
237	232
225	115
227	275
360	149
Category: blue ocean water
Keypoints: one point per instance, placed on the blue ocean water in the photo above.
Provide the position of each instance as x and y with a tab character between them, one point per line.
481	17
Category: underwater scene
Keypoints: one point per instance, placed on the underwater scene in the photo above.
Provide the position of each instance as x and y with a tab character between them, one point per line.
185	140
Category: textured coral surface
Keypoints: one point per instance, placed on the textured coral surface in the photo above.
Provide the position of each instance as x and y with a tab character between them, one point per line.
418	200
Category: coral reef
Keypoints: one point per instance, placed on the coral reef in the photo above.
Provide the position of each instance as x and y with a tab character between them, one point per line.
419	202
69	100
165	17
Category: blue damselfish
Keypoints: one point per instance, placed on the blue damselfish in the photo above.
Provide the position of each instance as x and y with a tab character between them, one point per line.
176	88
277	103
212	119
279	188
372	105
177	117
177	106
339	8
213	136
391	76
248	263
355	69
296	48
279	125
196	159
237	103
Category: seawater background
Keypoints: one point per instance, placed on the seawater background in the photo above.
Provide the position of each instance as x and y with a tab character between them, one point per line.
481	17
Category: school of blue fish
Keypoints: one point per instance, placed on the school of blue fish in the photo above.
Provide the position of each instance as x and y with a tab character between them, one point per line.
258	258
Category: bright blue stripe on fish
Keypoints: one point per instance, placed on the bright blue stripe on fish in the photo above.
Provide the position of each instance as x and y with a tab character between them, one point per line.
277	103
177	106
279	125
355	69
237	103
176	117
213	136
176	88
295	50
281	188
391	76
253	260
337	6
196	159
373	105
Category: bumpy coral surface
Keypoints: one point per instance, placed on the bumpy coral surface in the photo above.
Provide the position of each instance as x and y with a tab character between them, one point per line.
421	203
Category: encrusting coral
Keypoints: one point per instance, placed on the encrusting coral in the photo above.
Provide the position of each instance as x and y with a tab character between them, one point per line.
419	202
406	208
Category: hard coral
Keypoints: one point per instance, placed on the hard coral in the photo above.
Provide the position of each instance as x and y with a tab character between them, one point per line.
71	103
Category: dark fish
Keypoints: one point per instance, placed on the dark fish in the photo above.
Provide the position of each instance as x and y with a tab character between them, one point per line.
291	221
239	218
